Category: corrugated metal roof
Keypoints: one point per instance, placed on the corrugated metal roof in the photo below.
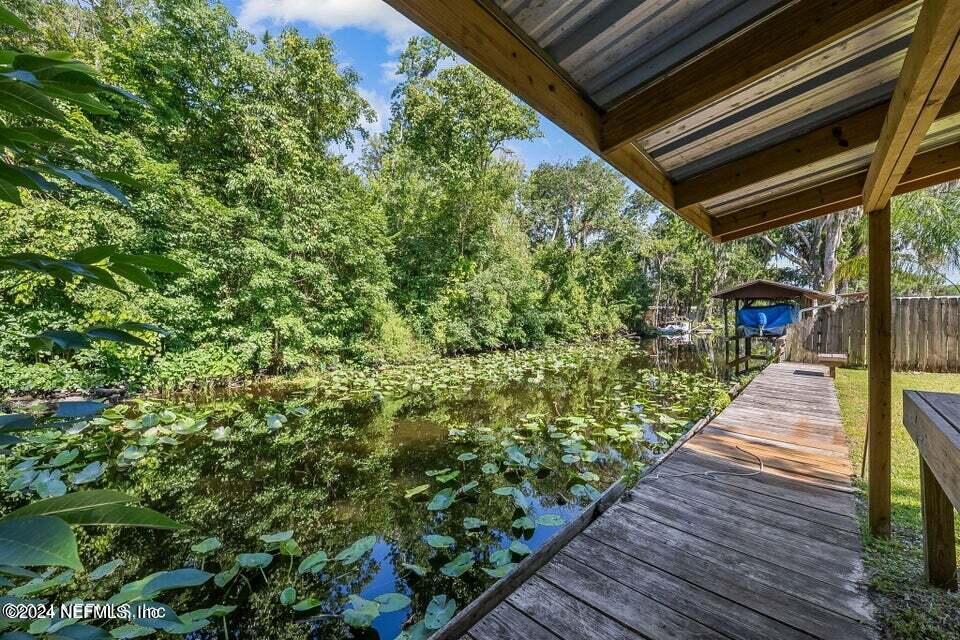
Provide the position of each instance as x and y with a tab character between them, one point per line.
610	49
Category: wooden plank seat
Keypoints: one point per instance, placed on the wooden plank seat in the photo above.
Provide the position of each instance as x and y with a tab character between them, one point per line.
832	360
933	420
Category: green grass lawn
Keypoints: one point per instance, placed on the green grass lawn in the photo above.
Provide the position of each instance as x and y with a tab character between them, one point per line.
907	608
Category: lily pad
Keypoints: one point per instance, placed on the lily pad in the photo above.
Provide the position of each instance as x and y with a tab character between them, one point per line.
356	550
390	602
415	491
439	612
313	563
439	542
458	566
441	500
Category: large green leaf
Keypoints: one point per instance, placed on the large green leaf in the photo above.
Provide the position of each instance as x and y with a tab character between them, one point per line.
115	335
21	99
120	515
134	274
38	541
70	503
92	255
87	179
152	263
11	19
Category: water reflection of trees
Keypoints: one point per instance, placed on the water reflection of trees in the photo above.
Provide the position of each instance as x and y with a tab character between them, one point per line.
340	473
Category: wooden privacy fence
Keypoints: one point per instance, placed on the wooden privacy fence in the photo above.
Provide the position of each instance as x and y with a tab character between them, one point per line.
926	333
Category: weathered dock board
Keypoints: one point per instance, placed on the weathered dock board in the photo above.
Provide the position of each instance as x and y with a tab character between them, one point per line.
704	547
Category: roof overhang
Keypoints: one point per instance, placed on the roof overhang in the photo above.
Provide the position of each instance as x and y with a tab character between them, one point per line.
769	290
741	116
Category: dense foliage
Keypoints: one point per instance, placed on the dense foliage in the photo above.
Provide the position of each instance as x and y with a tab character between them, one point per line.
439	240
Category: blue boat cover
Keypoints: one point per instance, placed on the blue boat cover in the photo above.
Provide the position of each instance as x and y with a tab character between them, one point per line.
767	321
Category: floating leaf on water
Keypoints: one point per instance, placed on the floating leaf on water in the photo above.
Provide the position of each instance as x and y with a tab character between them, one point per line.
362	612
254	560
588	476
441	500
500	556
467	488
500	571
458	566
390	602
224	578
519	548
149	420
206	546
523	523
448	476
307	604
104	570
585	491
288	596
516	455
290	548
127	631
88	474
65	457
470	523
439	612
550	520
467	457
438	541
133	453
278	537
415	568
505	491
275	421
356	550
569	458
489	468
436	472
314	563
416	490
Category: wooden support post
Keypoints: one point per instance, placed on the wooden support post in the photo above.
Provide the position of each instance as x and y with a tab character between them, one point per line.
939	543
749	352
879	372
726	337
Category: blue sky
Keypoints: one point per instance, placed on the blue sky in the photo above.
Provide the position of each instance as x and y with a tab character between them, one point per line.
369	35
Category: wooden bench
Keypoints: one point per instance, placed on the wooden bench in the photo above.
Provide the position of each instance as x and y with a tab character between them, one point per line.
832	360
933	420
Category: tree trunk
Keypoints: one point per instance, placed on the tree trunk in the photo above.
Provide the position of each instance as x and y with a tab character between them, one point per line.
833	234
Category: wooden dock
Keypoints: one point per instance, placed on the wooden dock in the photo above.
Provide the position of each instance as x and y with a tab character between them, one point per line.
700	549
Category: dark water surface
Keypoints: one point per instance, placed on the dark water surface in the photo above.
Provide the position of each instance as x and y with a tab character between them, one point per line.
558	427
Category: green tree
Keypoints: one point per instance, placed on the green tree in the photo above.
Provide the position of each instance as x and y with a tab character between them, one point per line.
461	269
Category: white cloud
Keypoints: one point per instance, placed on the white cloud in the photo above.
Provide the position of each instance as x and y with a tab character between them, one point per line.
388	71
381	105
330	15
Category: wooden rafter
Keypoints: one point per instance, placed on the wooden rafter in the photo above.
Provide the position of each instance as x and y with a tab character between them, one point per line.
490	43
927	169
784	37
859	130
929	73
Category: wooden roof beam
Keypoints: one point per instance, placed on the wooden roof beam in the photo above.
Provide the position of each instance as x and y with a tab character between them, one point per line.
490	43
927	169
859	130
787	35
929	73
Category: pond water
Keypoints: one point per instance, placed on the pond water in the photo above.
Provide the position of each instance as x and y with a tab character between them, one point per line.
370	504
